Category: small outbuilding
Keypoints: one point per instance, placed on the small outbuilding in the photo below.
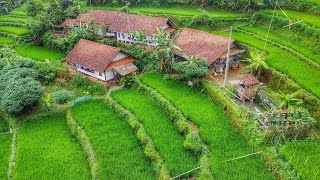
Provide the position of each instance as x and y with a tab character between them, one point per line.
100	61
248	86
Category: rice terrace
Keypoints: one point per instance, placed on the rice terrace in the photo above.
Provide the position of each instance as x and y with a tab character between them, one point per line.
160	89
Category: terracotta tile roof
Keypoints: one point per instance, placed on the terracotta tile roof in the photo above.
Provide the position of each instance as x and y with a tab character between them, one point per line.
92	55
68	22
124	22
248	80
202	44
233	51
120	62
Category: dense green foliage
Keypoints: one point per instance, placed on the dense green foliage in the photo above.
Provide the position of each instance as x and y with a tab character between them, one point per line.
193	67
164	134
304	156
5	150
117	148
46	150
4	126
62	96
88	86
214	128
39	53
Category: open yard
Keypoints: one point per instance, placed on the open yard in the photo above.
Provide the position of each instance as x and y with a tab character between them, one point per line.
165	135
285	62
47	150
173	10
14	30
119	153
7	18
39	53
5	150
214	128
304	157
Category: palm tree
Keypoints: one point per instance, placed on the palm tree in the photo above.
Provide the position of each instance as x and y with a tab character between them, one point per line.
289	102
140	37
257	63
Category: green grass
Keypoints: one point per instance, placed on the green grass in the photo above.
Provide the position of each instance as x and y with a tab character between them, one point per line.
39	53
119	154
5	150
47	150
4	127
7	18
14	30
286	41
215	129
18	12
304	157
174	10
285	62
6	40
310	19
163	132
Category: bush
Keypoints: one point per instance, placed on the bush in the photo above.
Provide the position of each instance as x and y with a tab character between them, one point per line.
128	81
62	96
87	85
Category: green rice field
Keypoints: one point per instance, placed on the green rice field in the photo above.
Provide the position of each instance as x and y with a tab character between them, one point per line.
165	135
119	153
4	127
18	12
14	30
174	10
47	150
6	40
310	19
39	53
7	18
304	157
214	128
5	151
285	62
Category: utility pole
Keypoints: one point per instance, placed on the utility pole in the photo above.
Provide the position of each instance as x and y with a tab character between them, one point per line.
228	59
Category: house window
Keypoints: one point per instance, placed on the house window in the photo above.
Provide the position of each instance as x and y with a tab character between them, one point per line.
123	36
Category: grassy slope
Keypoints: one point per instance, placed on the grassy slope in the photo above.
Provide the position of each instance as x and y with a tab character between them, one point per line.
39	53
47	150
305	158
119	153
285	62
7	18
14	30
276	37
5	150
224	141
167	139
310	19
174	10
6	40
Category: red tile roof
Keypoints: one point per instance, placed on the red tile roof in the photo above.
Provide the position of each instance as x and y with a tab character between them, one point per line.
120	62
202	44
124	22
92	55
248	80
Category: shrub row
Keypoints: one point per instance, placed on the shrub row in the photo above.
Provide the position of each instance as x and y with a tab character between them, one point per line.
149	148
193	141
85	143
304	6
4	34
254	136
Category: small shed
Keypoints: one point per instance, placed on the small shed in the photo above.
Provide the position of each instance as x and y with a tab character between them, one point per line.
248	86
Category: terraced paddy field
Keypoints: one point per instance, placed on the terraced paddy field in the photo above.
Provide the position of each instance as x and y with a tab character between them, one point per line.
285	41
119	153
6	40
7	18
173	10
5	150
39	53
310	19
285	62
47	150
165	135
18	12
14	30
304	157
214	128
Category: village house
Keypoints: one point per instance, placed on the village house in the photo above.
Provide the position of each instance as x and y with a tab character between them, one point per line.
248	87
121	25
100	61
207	46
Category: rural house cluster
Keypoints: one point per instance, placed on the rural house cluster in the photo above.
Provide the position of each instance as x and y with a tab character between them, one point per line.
104	62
